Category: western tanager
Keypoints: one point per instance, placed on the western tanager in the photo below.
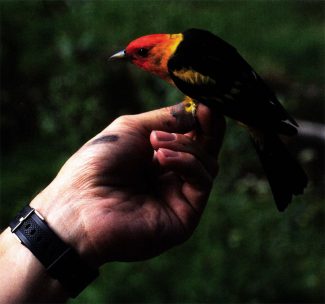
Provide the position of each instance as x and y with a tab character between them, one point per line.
208	70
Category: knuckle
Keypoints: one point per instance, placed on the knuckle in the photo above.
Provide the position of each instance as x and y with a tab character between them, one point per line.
122	120
189	158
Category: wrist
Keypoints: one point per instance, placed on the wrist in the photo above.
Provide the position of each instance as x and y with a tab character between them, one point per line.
28	280
61	260
62	215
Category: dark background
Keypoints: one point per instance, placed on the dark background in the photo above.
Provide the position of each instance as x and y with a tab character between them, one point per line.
58	90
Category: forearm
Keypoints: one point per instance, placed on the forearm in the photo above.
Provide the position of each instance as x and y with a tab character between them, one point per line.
23	278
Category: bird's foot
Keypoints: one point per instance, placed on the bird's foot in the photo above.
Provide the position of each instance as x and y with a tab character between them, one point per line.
190	105
184	116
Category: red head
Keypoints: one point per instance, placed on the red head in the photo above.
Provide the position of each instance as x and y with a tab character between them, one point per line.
151	52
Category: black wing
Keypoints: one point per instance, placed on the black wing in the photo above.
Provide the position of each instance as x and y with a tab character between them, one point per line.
211	71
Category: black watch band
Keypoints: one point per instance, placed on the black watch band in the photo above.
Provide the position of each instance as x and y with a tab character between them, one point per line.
60	260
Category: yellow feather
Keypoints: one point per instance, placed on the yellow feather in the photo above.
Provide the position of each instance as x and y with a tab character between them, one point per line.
193	77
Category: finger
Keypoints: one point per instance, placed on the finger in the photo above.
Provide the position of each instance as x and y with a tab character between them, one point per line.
197	181
170	119
183	143
211	129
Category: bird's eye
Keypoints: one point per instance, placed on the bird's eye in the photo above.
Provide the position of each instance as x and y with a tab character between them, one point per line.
143	52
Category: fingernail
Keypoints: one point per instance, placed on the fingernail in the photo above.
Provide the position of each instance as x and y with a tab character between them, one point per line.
164	136
169	153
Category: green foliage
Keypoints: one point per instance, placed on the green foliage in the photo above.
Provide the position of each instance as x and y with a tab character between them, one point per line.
58	90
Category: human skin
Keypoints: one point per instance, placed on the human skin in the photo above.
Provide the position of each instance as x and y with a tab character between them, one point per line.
130	193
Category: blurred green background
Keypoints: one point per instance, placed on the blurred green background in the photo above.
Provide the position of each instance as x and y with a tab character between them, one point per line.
58	90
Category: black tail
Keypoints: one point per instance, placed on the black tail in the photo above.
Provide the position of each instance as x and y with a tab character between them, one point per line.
285	175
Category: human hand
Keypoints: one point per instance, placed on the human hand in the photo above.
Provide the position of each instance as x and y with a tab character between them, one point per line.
137	188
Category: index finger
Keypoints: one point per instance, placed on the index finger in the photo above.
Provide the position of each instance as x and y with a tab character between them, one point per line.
208	125
169	119
211	129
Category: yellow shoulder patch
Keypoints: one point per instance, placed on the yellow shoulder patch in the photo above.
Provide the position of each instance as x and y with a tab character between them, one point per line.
193	77
175	40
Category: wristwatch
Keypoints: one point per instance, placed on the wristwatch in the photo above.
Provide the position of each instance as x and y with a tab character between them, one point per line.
61	261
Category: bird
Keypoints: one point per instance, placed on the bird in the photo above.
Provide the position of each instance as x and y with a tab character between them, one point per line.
209	70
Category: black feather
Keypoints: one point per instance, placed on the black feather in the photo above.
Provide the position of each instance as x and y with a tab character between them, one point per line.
239	92
285	175
255	105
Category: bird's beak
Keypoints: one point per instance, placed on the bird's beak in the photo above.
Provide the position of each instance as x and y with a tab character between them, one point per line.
118	56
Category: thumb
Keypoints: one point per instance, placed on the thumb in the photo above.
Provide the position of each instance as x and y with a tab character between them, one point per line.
168	119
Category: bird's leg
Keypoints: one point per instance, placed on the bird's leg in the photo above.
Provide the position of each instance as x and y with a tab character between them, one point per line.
190	105
185	114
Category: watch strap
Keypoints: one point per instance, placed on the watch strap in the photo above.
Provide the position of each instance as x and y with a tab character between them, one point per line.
61	261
